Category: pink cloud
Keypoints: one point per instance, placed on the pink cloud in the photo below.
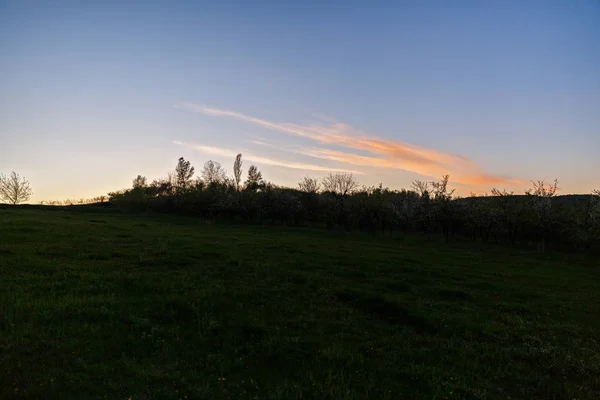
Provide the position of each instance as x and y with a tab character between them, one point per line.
386	153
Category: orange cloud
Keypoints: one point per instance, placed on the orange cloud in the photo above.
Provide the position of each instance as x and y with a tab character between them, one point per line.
392	154
219	151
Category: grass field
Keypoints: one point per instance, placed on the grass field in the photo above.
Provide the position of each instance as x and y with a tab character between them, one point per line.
108	305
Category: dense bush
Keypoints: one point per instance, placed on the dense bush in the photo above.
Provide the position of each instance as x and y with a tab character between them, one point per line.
538	218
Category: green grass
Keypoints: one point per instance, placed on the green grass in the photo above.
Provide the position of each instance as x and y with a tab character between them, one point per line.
108	305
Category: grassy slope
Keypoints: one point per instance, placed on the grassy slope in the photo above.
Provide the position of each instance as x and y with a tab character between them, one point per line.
111	306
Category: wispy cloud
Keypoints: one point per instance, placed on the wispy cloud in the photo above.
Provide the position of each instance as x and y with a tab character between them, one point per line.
223	152
386	153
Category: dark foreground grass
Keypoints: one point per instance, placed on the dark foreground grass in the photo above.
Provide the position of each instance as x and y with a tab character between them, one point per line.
119	306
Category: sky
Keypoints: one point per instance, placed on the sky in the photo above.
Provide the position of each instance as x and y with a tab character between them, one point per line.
493	93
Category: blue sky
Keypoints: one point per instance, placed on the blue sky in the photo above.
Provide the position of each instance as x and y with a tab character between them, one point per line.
495	93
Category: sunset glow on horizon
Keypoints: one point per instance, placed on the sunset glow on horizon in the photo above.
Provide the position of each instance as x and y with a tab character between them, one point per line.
495	94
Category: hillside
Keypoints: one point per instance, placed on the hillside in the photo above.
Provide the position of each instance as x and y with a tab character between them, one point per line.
114	305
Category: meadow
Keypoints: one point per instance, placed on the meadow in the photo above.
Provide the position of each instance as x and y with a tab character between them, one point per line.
105	305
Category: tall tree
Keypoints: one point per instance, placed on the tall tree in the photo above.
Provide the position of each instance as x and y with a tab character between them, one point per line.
237	171
421	187
140	182
440	189
255	179
14	189
213	172
340	183
309	185
184	173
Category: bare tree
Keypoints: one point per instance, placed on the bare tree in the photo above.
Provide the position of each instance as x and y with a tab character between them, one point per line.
184	173
14	189
255	178
237	171
421	187
541	189
171	181
596	192
440	189
340	183
309	185
501	193
213	172
140	182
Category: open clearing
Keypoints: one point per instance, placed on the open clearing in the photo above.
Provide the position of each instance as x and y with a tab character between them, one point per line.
109	305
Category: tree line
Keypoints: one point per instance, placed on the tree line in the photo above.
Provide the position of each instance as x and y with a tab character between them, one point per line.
339	201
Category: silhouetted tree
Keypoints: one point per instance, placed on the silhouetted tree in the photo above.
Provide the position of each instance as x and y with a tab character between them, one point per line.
500	193
183	173
213	172
139	182
14	189
255	179
237	171
421	187
508	210
542	215
340	183
431	208
440	189
541	189
309	185
444	210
